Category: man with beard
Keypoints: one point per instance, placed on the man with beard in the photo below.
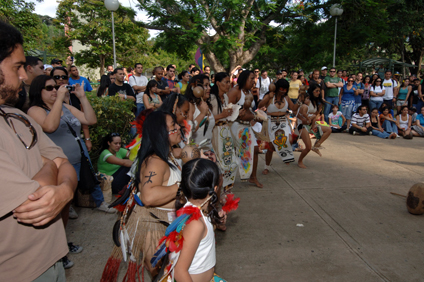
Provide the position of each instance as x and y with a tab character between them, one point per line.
37	181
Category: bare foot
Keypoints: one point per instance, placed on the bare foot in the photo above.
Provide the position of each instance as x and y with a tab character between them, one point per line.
221	227
256	182
316	150
265	172
301	165
287	163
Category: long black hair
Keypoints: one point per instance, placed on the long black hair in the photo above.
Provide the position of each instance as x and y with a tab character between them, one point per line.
315	100
37	85
108	139
152	83
242	79
215	90
155	139
195	81
199	177
183	73
104	84
169	102
59	68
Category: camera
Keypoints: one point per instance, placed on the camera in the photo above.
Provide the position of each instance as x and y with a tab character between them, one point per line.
70	88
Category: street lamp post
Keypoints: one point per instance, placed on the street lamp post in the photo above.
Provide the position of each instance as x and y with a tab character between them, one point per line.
335	11
113	5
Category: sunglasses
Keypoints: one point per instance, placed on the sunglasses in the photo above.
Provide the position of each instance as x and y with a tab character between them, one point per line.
51	87
9	117
378	81
114	134
332	71
64	77
256	71
350	80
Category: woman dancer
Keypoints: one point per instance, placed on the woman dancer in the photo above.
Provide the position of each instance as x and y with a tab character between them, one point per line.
245	141
222	140
279	128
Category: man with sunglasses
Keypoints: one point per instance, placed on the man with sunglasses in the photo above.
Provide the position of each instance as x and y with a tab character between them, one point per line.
37	181
332	84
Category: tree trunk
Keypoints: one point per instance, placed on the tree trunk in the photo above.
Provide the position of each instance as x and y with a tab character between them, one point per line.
402	52
102	64
419	63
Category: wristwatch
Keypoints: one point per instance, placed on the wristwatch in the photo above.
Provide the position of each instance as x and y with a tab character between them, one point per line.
88	139
125	97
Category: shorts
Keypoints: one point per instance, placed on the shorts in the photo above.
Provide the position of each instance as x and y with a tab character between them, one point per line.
400	103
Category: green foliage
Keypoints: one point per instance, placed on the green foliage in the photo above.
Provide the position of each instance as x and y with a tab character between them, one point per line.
19	13
90	23
113	115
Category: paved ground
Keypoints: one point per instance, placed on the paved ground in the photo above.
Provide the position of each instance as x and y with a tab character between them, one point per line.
335	221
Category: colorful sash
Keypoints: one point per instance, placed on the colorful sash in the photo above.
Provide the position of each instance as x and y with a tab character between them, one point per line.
279	134
244	145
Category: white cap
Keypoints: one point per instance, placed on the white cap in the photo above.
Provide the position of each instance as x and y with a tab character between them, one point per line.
324	68
48	67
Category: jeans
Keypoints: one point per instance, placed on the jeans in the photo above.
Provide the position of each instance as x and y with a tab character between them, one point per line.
354	129
390	127
140	108
338	130
389	103
97	194
347	111
420	104
380	134
375	105
120	179
327	109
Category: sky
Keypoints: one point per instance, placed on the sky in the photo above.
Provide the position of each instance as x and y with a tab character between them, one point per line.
48	7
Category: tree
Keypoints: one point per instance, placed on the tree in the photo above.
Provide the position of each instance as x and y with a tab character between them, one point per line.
229	32
20	14
89	22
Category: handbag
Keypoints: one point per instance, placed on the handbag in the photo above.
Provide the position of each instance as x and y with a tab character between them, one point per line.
87	179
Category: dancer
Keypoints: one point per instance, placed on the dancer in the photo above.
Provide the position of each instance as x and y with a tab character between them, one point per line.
222	141
245	142
306	123
196	205
178	105
279	129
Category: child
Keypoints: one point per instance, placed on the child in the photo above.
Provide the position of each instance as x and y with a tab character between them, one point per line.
336	120
196	208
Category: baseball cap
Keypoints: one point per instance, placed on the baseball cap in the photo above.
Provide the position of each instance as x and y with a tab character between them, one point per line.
48	67
324	68
279	72
56	61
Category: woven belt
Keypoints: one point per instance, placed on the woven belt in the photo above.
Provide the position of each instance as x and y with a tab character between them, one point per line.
245	122
278	119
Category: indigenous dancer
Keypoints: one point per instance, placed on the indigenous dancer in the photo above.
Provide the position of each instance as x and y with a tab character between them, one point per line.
222	141
245	141
279	129
179	106
306	123
188	247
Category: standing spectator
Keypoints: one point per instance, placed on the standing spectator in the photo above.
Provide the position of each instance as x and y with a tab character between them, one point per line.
381	71
367	89
391	89
111	76
163	89
415	93
33	68
36	177
361	87
47	69
374	77
403	122
76	78
284	74
190	67
184	77
420	103
332	84
124	90
315	80
207	70
194	71
125	75
278	76
170	76
344	75
263	84
138	82
404	92
109	68
336	120
255	89
104	86
56	63
323	72
295	84
302	73
347	100
377	92
377	130
361	124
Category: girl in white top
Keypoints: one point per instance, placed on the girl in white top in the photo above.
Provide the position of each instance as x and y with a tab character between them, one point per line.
200	185
403	122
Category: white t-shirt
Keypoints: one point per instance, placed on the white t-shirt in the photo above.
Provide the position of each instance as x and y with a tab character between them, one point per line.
264	86
335	118
138	81
388	85
378	89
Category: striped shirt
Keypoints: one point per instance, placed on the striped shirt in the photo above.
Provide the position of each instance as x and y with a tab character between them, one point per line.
360	120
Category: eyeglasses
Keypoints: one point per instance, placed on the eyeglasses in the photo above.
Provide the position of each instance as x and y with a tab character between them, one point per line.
8	118
378	81
64	77
256	71
350	80
114	134
332	71
51	87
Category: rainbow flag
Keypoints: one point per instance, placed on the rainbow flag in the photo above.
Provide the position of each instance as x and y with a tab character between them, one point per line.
199	58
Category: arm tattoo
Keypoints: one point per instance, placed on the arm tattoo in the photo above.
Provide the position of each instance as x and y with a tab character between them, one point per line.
149	180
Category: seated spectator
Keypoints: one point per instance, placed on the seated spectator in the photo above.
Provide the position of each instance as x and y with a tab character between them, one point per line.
361	124
113	161
151	100
418	125
103	89
387	121
337	120
377	130
184	77
403	122
384	105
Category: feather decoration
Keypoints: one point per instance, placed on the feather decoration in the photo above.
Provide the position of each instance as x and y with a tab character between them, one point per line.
160	253
175	224
231	204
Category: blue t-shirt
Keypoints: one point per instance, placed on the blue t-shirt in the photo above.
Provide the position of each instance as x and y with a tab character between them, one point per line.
420	117
359	86
87	85
349	95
